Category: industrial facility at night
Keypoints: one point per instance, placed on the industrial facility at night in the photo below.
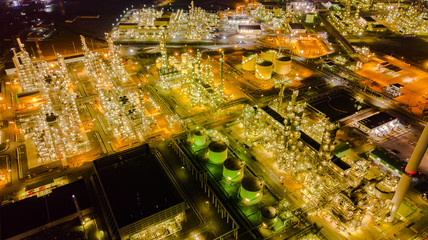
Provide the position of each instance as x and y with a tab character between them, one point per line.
196	120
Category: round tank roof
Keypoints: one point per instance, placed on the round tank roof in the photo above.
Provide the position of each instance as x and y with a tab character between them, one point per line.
233	163
252	184
217	146
249	53
198	133
265	63
269	212
269	50
284	58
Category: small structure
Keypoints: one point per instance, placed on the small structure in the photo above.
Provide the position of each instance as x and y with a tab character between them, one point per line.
378	125
128	25
297	28
163	21
366	21
254	29
376	28
238	19
301	7
394	89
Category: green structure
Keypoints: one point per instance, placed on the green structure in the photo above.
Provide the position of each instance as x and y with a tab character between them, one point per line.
251	190
217	152
233	169
199	138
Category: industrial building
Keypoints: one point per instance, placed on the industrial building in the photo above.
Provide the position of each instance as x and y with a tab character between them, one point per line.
250	29
296	28
301	7
394	89
136	195
379	124
238	19
34	215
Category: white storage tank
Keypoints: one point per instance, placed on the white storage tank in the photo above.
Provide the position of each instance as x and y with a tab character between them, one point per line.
251	190
249	59
233	169
269	55
199	138
217	152
264	70
283	65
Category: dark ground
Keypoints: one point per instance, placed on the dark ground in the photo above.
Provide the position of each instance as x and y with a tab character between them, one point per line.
413	49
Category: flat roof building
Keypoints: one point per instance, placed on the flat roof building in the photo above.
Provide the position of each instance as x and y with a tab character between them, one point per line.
297	28
33	215
379	124
136	193
250	29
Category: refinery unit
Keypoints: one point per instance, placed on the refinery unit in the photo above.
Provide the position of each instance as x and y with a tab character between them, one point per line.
364	189
257	205
285	138
148	24
401	17
55	128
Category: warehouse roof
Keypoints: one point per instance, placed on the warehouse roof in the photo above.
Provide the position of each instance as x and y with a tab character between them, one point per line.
376	120
136	185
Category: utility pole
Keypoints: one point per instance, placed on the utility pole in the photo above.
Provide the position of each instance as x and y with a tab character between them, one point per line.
76	204
222	75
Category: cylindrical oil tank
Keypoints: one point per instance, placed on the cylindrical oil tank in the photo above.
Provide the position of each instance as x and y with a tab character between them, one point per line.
264	70
251	190
249	59
269	216
282	65
217	152
233	169
269	55
199	138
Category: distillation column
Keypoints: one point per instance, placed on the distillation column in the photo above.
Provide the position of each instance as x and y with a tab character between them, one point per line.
410	170
222	75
